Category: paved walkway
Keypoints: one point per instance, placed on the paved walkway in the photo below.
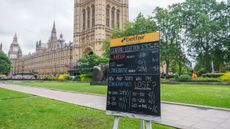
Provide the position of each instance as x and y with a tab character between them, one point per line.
179	116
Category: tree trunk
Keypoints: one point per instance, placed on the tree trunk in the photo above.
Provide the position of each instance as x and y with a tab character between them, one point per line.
207	62
180	68
167	67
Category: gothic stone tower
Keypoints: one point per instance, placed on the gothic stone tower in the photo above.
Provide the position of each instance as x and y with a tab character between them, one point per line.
93	22
15	50
53	38
14	54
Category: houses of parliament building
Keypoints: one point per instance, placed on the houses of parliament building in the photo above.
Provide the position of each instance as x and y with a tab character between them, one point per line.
93	22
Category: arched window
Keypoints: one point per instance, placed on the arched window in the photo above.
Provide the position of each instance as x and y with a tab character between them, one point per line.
93	15
88	17
113	17
84	19
108	16
118	18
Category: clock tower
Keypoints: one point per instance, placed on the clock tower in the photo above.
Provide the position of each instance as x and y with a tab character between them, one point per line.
15	50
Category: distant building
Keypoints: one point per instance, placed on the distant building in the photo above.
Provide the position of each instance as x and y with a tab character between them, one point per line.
52	58
93	22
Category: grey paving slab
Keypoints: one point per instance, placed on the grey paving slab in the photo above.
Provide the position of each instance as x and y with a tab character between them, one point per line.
204	124
180	116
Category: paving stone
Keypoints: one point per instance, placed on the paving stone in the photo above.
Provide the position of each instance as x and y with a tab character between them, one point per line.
215	119
225	126
206	125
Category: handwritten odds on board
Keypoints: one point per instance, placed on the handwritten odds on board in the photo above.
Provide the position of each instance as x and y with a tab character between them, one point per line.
134	75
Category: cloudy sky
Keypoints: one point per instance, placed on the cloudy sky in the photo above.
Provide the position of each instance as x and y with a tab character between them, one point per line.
32	19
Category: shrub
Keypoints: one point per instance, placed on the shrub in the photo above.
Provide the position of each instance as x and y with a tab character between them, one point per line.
88	62
206	79
171	76
201	71
50	78
85	77
76	78
184	78
226	69
176	76
212	75
226	77
64	77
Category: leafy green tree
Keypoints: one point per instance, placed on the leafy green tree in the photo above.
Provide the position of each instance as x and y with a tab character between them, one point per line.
140	25
169	25
106	48
199	66
5	64
198	28
224	37
89	61
207	26
162	18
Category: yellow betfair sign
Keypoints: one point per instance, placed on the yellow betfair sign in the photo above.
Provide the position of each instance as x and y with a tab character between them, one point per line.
136	39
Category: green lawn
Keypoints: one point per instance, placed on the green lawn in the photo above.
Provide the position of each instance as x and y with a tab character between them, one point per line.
207	95
22	111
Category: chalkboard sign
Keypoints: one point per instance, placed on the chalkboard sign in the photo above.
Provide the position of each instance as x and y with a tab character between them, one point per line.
134	75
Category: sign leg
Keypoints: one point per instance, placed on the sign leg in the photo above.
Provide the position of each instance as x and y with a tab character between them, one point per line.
148	125
116	122
142	124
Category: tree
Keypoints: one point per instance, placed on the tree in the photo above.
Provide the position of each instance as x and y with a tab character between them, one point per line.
5	64
224	18
196	28
207	27
106	48
88	62
169	25
162	18
140	25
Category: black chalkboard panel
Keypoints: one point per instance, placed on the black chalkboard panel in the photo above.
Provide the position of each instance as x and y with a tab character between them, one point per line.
134	79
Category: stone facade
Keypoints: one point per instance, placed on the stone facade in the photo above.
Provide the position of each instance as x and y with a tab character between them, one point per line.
52	58
14	54
93	22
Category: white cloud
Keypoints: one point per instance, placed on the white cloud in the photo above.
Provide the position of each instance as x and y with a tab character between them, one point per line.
32	19
147	6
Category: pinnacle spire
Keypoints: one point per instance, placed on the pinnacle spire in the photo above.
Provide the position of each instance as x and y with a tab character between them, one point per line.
15	38
61	36
54	28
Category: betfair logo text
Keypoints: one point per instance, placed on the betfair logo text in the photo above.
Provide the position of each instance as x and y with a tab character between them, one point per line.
136	39
133	38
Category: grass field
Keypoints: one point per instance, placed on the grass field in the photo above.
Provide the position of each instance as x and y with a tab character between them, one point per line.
207	95
22	111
